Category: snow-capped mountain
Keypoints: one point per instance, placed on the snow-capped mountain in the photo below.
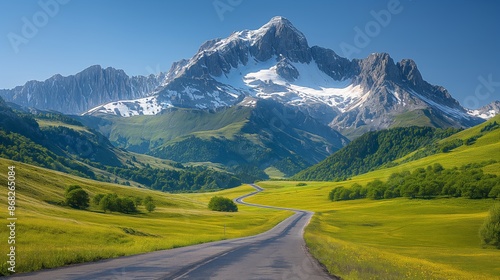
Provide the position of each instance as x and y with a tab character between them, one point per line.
272	62
78	93
276	62
487	111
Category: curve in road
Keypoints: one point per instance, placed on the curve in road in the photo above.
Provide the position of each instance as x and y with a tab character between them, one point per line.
279	253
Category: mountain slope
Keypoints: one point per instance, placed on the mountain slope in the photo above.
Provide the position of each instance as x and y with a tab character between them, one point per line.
252	136
403	147
371	151
61	143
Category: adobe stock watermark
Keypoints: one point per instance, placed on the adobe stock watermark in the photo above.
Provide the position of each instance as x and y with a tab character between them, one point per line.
483	91
31	26
373	28
223	6
154	71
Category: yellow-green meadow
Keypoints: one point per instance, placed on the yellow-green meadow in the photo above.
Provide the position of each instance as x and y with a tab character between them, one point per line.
49	235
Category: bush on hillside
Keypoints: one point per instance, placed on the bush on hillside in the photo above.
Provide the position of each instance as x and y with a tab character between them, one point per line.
114	203
76	197
223	204
149	204
490	230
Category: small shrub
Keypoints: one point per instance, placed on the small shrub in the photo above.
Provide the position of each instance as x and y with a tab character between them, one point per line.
149	204
490	230
76	197
222	204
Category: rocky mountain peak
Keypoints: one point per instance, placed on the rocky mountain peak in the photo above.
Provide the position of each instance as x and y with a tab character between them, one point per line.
376	69
280	37
410	72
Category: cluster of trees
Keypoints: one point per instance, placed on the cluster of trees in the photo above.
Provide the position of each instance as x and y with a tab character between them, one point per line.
467	181
170	180
114	203
448	146
222	204
20	148
371	151
76	197
490	126
291	165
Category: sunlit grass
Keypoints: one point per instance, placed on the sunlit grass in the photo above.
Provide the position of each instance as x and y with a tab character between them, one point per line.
390	239
49	235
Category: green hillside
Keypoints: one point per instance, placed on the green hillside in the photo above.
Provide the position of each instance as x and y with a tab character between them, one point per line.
371	151
143	133
401	238
245	140
51	235
61	143
419	117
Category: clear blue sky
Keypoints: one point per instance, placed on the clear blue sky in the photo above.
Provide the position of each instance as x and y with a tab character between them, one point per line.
453	42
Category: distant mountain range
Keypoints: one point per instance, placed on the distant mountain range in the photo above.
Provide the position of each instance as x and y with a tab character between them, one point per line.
272	62
78	93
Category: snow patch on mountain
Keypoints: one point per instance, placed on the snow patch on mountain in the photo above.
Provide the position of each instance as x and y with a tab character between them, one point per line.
261	79
443	108
483	115
129	108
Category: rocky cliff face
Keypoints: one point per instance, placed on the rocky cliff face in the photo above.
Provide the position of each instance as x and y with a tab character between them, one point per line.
78	93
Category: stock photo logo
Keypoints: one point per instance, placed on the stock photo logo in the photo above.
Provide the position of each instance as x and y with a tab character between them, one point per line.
32	25
365	34
225	6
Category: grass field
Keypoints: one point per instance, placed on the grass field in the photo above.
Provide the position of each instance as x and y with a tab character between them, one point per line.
49	235
391	239
361	239
398	238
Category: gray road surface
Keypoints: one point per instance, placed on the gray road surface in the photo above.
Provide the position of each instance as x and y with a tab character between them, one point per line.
279	253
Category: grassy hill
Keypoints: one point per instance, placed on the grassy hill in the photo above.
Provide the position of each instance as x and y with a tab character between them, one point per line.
397	146
49	235
144	133
371	151
59	142
400	238
245	140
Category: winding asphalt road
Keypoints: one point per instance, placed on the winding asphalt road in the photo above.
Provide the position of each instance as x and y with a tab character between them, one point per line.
279	253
